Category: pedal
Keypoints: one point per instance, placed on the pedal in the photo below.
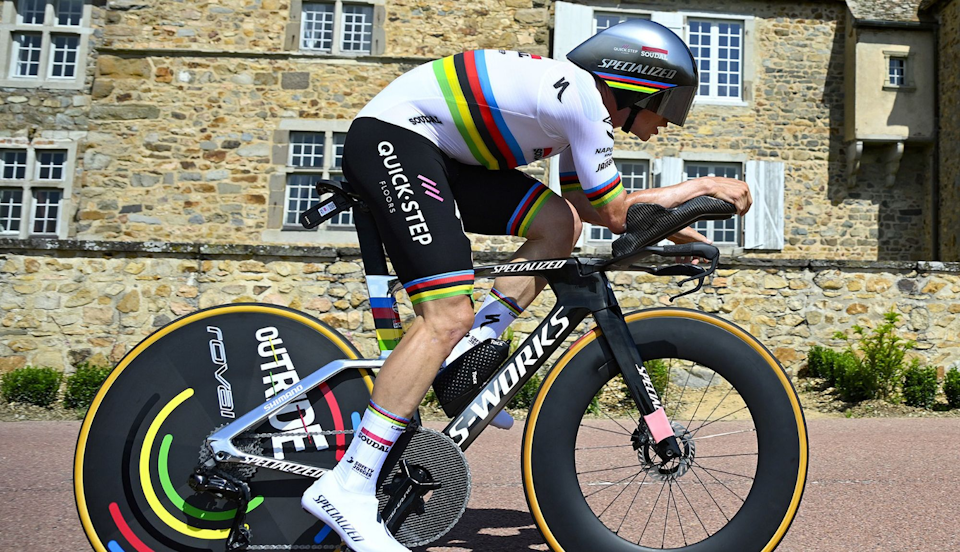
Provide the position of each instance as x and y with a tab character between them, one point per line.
406	491
463	378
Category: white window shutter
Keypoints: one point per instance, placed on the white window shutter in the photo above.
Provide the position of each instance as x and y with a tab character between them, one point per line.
668	171
672	21
763	224
573	24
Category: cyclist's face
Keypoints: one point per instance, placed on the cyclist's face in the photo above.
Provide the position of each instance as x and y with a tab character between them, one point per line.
647	124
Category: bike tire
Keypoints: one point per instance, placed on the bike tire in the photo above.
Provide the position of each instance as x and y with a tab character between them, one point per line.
144	431
555	492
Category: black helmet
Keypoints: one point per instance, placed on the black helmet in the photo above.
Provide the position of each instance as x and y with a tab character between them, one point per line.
646	65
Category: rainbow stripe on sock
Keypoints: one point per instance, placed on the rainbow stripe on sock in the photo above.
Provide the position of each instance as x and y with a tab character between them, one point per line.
385	414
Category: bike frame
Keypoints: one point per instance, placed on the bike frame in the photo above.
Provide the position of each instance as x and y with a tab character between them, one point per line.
581	290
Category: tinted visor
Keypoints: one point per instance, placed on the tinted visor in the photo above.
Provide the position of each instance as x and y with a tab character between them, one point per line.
673	104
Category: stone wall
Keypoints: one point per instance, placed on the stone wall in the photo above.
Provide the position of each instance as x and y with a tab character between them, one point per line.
180	144
65	302
950	130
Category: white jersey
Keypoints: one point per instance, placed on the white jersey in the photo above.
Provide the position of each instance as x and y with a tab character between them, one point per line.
502	109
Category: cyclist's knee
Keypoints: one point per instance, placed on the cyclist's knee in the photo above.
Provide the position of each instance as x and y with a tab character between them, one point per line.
448	320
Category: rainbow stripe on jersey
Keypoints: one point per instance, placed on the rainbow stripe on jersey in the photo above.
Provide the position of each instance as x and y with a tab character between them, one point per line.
465	84
599	196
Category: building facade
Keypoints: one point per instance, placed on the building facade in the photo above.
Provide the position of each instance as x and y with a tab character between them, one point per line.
155	157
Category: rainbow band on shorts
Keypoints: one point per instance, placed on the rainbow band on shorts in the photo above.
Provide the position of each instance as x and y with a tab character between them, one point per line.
440	286
523	216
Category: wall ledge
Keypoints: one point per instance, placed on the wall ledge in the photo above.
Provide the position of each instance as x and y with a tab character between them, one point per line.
33	246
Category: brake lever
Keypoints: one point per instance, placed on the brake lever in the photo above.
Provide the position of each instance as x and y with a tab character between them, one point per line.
698	249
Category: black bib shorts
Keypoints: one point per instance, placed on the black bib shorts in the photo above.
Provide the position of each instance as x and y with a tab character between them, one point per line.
422	201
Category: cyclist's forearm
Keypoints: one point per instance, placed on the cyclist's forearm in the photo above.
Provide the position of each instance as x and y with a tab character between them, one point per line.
671	196
584	209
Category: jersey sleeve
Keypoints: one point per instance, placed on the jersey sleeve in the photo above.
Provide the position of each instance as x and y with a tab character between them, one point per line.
572	108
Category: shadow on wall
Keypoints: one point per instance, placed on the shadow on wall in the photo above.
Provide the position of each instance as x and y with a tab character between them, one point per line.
896	219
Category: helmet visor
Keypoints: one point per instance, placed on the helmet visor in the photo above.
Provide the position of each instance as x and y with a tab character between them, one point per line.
673	104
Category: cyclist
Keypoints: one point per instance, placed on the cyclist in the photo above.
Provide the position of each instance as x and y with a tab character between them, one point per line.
434	155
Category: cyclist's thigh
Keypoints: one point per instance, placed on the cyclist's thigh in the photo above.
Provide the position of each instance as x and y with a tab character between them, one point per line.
404	180
500	203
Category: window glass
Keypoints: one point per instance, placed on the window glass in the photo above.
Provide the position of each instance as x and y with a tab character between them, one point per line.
357	28
11	209
726	232
316	30
46	207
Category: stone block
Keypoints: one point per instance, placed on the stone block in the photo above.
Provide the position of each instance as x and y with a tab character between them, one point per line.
295	81
124	112
130	302
120	68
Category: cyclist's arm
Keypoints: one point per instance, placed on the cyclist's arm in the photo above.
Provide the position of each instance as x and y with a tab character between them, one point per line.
727	189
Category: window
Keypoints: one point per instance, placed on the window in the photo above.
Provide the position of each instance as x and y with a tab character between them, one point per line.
634	175
313	156
722	232
35	182
338	27
44	43
717	47
605	20
898	71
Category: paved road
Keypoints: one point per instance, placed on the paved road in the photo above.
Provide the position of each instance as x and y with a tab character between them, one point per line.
874	485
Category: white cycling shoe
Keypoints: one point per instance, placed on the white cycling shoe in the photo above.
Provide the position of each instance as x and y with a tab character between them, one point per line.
353	516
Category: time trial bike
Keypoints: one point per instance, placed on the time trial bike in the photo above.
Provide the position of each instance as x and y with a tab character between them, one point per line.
666	428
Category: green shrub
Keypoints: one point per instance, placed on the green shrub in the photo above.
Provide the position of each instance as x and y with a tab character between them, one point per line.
920	385
882	355
855	380
821	362
524	398
83	385
951	387
37	386
659	374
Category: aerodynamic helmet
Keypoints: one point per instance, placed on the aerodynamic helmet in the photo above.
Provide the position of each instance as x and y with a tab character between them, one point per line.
646	66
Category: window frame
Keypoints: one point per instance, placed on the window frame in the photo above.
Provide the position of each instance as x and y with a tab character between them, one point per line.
744	51
277	230
619	158
31	183
710	224
909	85
295	28
48	30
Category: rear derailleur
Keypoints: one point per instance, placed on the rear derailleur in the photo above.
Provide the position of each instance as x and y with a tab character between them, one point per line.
211	480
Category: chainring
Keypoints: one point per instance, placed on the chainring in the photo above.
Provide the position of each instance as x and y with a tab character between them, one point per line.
443	459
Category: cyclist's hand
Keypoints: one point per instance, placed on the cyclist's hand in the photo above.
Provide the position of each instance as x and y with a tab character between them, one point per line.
730	190
688	235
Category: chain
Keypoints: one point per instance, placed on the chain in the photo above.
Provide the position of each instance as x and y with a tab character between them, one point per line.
243	436
295	547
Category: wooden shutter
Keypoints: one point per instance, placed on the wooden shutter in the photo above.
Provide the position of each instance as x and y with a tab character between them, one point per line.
763	224
573	23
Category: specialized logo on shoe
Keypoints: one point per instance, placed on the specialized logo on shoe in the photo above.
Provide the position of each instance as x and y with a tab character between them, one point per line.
336	517
375	441
365	471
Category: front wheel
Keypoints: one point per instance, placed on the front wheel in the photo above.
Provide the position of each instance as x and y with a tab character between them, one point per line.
593	480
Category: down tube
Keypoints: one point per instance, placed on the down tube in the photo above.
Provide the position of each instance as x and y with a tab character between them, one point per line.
528	358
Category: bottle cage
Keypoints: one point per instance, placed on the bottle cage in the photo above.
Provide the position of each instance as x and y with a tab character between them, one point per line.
338	200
